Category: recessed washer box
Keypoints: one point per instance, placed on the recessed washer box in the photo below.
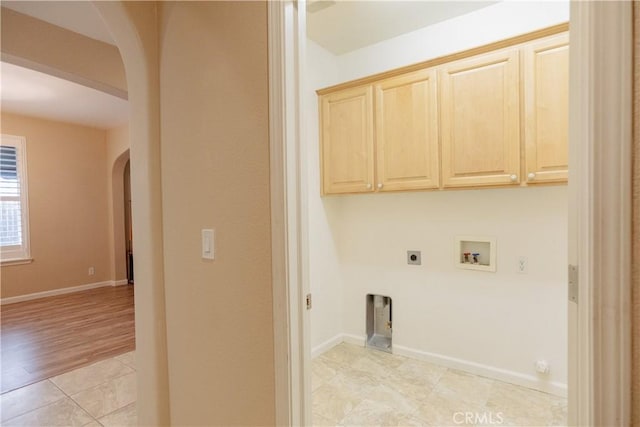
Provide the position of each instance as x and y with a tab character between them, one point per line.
475	253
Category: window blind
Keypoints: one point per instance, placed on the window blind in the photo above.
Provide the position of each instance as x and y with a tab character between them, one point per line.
10	194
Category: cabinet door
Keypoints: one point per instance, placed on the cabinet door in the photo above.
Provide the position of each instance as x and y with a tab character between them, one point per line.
407	132
347	141
481	120
546	95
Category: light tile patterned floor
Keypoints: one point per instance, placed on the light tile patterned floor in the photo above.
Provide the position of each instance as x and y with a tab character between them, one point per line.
356	386
352	386
102	394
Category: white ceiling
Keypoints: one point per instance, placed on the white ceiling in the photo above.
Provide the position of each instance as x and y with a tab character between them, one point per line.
342	26
77	16
32	93
28	92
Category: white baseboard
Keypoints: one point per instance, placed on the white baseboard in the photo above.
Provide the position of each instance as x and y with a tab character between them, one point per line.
326	346
512	377
334	341
360	340
121	282
61	291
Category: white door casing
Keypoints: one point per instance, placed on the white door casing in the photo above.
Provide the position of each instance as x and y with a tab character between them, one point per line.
600	207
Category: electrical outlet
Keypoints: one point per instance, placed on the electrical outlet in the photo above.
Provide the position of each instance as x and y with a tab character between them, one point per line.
523	265
92	271
413	258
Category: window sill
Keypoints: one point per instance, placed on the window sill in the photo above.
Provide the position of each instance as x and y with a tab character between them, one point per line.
9	262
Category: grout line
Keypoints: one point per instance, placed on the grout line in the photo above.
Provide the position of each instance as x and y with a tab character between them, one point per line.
66	396
37	407
73	400
118	410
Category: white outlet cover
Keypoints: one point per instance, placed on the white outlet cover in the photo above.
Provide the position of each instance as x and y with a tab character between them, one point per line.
523	265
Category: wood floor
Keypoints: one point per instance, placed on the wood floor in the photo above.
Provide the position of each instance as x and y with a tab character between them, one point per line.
46	337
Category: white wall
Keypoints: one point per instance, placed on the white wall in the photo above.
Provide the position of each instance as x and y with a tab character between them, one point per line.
487	25
497	324
324	266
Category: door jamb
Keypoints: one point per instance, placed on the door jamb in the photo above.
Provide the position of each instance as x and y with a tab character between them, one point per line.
600	206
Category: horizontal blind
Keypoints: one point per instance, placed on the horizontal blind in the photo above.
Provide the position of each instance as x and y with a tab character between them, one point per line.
10	205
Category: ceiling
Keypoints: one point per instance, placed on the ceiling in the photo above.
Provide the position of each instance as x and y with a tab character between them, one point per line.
342	26
32	93
339	26
77	16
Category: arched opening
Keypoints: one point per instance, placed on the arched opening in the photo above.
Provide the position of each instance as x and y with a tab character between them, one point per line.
121	193
133	26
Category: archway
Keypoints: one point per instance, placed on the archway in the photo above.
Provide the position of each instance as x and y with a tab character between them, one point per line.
119	219
134	28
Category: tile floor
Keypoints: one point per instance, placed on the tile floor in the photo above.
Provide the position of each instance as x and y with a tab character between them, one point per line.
356	386
102	394
352	386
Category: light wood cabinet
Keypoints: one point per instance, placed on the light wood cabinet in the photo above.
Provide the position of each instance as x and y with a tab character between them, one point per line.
496	115
347	141
406	129
546	109
480	120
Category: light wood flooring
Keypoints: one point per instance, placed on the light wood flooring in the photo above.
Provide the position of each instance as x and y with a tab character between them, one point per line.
42	338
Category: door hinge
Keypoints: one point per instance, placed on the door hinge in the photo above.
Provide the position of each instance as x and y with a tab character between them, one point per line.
573	283
308	301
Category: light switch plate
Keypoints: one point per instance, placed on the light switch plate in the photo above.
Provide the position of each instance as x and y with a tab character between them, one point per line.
208	244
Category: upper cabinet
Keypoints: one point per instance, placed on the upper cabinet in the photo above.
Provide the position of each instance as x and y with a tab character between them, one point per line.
546	109
493	116
480	98
347	141
406	125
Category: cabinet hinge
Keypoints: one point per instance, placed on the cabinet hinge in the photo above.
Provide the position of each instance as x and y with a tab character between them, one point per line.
573	283
308	301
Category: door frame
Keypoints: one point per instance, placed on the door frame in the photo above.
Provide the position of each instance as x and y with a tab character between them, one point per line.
600	212
599	223
292	348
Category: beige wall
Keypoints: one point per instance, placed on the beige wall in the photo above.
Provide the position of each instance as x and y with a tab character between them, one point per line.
635	309
117	158
67	180
134	26
45	47
215	174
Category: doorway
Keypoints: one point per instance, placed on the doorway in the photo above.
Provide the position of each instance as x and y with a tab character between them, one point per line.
358	244
128	230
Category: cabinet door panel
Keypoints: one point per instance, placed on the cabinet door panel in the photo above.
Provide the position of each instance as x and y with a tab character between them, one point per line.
481	120
407	132
347	141
546	93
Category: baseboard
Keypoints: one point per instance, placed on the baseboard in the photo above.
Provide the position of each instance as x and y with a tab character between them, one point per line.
326	346
512	377
61	291
334	341
120	282
355	339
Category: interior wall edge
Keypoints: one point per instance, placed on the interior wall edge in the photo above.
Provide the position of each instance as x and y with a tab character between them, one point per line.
635	309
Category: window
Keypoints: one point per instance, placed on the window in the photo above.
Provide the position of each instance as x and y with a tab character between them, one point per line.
14	215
